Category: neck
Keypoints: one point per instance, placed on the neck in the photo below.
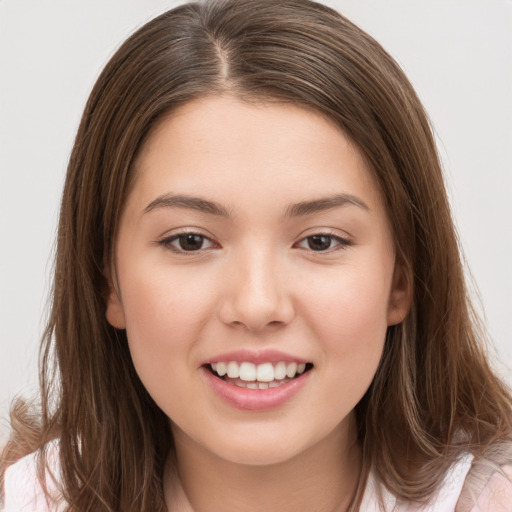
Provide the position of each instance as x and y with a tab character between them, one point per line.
323	478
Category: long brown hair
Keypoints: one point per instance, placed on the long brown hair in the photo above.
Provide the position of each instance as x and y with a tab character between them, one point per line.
434	395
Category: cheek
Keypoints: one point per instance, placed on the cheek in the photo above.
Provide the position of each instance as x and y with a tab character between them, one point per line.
165	312
348	313
352	299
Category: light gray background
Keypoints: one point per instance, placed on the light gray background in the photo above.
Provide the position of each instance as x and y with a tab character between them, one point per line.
458	54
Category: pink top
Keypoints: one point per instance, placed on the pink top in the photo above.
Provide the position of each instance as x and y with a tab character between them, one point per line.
23	491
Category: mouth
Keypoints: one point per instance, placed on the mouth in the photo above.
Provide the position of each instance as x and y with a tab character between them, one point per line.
258	376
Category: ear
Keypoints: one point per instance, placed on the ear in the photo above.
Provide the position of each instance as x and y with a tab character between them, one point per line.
114	308
400	296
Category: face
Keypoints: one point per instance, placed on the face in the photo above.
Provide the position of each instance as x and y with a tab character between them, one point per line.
256	277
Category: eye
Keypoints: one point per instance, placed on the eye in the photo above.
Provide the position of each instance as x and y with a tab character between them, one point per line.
187	242
323	242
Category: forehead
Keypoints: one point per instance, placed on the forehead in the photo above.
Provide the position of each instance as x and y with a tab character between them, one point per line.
220	143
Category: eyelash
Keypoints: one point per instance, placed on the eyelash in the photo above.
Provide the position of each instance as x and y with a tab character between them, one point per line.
341	243
180	237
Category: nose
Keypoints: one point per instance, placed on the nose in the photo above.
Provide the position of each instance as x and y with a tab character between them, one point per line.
256	294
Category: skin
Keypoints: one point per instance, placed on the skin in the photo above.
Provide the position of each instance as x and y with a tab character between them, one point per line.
256	282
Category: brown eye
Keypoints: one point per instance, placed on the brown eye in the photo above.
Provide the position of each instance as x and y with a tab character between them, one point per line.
187	242
190	242
323	243
319	242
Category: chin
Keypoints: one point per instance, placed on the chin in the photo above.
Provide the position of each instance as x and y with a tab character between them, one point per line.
258	455
263	446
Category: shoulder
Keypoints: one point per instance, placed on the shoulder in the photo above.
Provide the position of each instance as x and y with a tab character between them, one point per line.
496	496
470	485
378	499
488	486
23	490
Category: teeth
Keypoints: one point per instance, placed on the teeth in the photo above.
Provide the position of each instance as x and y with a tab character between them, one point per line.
265	373
280	370
262	375
259	385
221	369
233	370
247	371
291	370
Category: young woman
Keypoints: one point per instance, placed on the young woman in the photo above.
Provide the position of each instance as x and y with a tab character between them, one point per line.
258	299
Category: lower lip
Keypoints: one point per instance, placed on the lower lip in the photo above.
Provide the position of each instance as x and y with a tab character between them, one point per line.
255	399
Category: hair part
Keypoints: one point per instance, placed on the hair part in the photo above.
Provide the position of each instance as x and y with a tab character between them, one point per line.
434	395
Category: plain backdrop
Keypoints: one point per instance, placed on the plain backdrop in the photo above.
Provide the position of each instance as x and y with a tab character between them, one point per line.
458	55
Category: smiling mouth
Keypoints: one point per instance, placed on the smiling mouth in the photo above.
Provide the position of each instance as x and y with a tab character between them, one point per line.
258	376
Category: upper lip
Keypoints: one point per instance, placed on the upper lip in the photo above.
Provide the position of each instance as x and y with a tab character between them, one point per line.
256	357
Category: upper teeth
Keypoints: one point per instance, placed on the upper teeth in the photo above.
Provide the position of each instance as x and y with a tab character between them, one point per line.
265	372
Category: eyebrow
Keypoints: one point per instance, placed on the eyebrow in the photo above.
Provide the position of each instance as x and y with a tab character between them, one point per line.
294	210
182	201
323	204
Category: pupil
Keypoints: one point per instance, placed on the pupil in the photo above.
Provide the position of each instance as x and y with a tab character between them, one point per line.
191	242
319	242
